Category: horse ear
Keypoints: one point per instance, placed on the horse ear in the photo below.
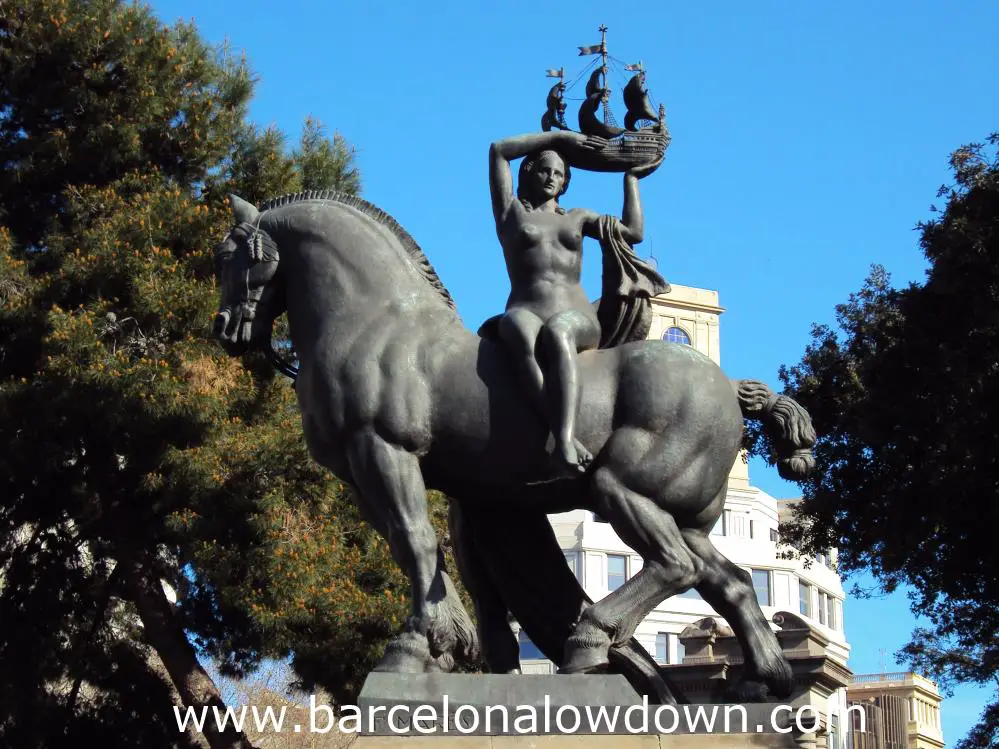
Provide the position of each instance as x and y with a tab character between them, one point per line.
242	210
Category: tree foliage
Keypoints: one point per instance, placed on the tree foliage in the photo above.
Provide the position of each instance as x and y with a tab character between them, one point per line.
905	398
139	460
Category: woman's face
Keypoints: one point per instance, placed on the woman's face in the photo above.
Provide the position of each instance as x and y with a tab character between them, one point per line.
548	176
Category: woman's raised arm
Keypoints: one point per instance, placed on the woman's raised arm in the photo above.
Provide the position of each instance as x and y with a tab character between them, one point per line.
502	152
632	220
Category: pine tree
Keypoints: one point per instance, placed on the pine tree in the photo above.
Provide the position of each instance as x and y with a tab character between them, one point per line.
139	460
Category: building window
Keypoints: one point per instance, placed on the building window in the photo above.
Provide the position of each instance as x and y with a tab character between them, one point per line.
662	648
823	608
736	524
617	571
835	742
831	612
774	535
528	650
719	527
761	584
676	335
804	598
681	651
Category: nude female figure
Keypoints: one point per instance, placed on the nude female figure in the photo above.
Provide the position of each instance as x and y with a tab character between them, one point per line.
548	318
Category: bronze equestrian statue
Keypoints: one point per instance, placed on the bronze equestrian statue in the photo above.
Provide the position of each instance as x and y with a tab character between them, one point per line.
397	396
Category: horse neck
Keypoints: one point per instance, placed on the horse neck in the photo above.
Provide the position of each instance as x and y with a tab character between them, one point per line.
347	274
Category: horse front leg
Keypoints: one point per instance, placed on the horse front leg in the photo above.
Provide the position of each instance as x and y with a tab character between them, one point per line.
390	483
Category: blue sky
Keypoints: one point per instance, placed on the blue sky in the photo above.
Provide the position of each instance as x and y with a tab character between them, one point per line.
808	140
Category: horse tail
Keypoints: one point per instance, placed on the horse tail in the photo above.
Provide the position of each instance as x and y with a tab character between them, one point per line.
786	423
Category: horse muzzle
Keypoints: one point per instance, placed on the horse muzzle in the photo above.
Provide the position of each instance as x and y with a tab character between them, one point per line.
233	328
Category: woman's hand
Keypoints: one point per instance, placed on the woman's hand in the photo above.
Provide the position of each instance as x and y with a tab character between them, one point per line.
584	142
645	170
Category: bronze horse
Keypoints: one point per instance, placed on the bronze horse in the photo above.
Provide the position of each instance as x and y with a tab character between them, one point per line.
397	396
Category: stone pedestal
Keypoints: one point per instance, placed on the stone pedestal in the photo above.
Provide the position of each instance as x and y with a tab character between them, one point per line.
689	741
455	707
415	711
490	703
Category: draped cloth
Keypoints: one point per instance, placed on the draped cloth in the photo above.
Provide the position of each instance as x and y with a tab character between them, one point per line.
629	283
624	309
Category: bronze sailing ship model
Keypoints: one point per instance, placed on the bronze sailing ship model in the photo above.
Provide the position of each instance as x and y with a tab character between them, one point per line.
644	137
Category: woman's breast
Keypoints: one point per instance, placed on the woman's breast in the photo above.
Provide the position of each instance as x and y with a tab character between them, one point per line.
530	234
570	235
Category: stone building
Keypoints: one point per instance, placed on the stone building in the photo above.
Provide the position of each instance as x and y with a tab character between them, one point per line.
902	711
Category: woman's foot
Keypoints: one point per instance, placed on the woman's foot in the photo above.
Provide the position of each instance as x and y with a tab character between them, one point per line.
572	459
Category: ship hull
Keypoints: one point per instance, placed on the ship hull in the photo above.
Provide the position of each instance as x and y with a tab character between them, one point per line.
627	151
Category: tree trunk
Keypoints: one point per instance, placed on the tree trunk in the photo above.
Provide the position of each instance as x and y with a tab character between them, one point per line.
95	625
166	636
194	739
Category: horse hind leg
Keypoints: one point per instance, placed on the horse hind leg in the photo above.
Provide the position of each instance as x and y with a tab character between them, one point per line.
499	645
729	591
670	568
390	483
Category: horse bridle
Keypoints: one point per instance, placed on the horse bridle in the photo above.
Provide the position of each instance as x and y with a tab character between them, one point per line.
262	251
279	363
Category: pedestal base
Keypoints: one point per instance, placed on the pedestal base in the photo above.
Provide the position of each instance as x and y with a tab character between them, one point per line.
497	711
689	741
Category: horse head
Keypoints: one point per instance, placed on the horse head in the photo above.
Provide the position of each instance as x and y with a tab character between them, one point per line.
246	262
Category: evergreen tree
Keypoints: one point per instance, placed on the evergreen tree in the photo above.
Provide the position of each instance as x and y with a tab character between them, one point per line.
139	460
907	461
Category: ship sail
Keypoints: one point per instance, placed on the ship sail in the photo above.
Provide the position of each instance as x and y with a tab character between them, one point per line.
589	123
554	116
593	85
636	99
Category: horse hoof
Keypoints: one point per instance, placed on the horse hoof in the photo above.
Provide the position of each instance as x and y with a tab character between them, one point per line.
408	653
441	664
584	660
601	668
598	668
779	679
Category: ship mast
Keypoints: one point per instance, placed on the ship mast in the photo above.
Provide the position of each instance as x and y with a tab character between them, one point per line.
605	99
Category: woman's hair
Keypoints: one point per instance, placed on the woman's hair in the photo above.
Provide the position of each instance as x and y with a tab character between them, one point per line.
525	169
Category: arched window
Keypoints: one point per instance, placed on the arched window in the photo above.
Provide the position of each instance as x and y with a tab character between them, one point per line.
676	335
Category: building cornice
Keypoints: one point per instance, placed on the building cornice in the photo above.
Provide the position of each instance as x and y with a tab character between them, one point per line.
687	305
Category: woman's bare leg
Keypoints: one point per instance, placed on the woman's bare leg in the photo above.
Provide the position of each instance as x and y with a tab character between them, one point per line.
518	329
561	339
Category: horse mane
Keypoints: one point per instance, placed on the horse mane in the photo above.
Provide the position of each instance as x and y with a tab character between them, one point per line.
413	250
